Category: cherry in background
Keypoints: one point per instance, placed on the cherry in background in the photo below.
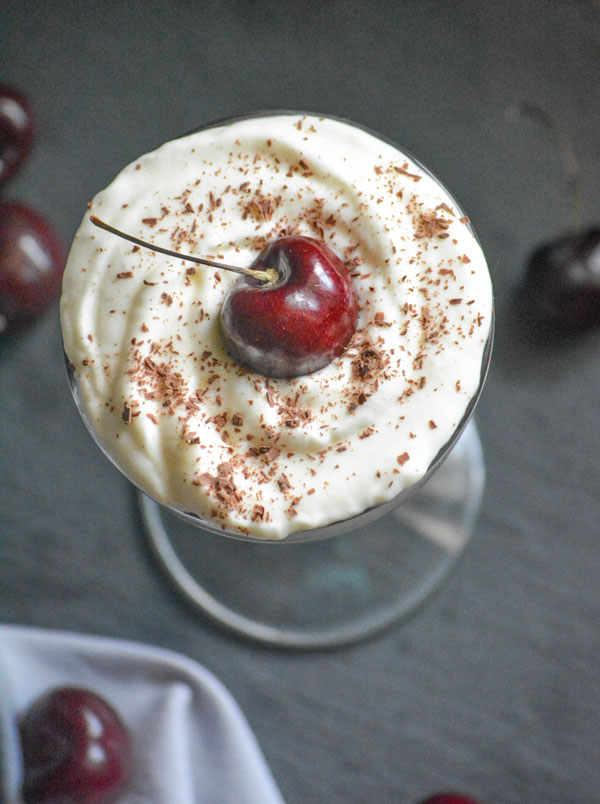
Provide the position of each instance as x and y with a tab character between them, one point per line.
16	132
76	749
31	257
561	288
31	265
562	281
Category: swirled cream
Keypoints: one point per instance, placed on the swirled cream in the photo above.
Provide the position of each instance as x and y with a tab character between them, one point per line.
264	456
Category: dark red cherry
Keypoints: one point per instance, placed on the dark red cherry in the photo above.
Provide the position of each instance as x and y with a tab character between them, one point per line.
76	749
450	798
31	265
297	324
16	131
562	281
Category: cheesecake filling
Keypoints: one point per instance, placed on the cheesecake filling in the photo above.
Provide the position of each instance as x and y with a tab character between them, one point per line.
255	455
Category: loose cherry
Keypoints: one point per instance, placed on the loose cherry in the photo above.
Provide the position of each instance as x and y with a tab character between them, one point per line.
561	287
16	132
449	798
297	324
562	281
31	265
75	748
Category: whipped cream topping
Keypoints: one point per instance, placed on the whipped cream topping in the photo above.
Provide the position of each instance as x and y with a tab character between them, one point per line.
259	456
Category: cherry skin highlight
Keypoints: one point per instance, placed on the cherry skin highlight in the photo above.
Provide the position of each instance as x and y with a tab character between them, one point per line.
16	132
297	324
562	281
31	265
75	748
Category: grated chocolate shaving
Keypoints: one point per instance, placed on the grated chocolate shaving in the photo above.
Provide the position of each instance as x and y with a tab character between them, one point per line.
260	206
368	362
405	172
428	224
222	486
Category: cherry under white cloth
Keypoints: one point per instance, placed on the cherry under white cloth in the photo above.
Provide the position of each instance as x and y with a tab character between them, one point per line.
192	742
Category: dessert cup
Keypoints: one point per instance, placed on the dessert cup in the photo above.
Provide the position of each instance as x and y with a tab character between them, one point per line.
337	584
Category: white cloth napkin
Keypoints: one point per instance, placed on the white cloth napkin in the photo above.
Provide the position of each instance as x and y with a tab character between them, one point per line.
192	743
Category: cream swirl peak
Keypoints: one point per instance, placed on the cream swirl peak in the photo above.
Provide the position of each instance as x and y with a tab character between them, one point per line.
257	455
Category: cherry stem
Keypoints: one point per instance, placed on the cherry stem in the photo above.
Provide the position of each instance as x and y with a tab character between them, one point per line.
569	159
268	275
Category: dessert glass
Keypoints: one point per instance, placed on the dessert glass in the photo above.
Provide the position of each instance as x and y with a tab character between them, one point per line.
335	584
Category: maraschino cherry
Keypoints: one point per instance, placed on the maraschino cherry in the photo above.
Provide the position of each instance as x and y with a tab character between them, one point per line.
31	265
16	131
290	313
76	749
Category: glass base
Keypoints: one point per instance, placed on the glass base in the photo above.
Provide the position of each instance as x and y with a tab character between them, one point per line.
337	590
